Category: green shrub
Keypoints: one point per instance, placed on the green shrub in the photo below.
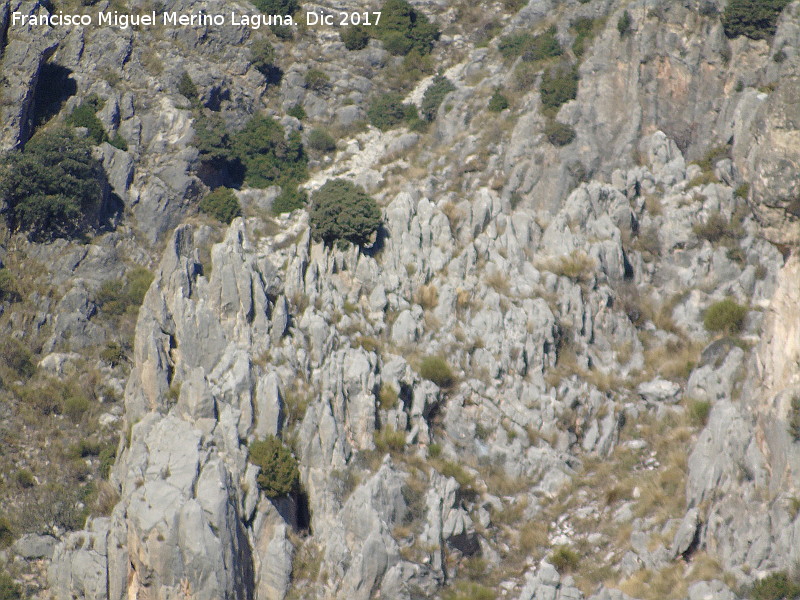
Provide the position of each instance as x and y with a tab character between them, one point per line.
531	47
794	418
113	353
584	29
387	396
498	102
402	28
186	87
75	407
115	296
279	474
9	590
436	369
742	191
775	586
85	115
321	141
564	559
342	211
262	57
558	86
53	187
118	142
6	533
107	456
559	134
8	286
16	356
389	440
297	111
699	411
434	94
469	590
726	316
290	199
710	159
213	141
715	228
388	111
624	23
354	37
756	19
25	479
268	155
222	204
317	80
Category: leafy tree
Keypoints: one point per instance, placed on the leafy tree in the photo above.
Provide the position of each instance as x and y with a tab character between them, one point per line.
186	87
268	156
342	211
557	87
262	57
354	37
221	204
388	111
213	141
85	115
279	474
434	95
756	19
403	28
53	187
624	23
531	47
498	102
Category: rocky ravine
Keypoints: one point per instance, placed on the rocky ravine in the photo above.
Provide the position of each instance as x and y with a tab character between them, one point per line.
564	286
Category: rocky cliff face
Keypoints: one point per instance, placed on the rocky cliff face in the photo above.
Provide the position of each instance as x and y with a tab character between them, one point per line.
594	438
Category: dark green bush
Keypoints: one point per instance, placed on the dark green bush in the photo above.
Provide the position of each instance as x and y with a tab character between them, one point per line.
794	418
317	80
291	198
213	141
107	456
262	57
434	94
559	134
725	316
498	102
53	187
388	111
279	474
8	286
531	47
85	115
624	23
222	204
436	369
756	19
402	28
320	140
16	356
6	533
186	87
118	142
268	155
564	559
354	37
9	590
775	586
389	440
342	211
584	29
297	111
557	87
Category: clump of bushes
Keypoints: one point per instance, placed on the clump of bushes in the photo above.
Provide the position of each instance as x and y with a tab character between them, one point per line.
584	29
116	297
297	111
262	57
756	19
290	199
558	86
316	80
531	47
16	356
269	157
354	37
53	187
389	440
403	28
222	204
498	102
186	87
624	23
8	286
343	212
564	559
388	111
434	94
725	316
775	586
436	369
559	134
279	474
321	141
85	115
